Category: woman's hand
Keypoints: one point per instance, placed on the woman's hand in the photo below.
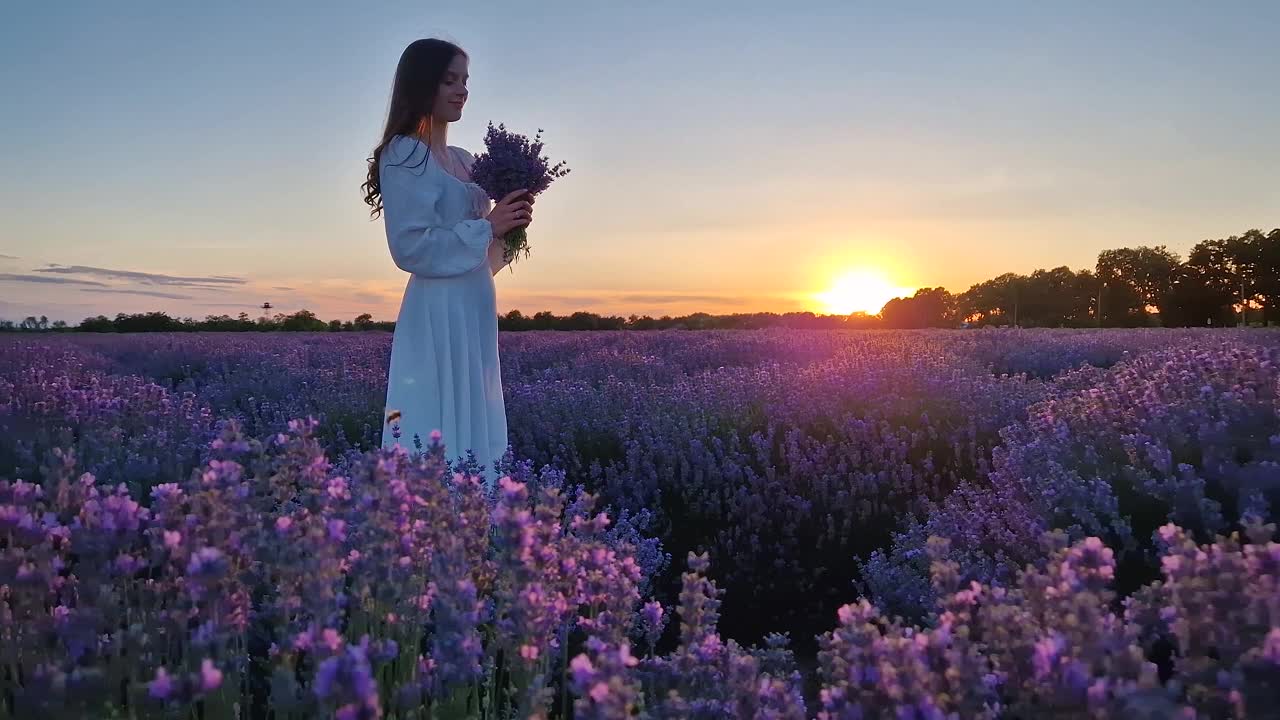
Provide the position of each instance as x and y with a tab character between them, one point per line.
511	212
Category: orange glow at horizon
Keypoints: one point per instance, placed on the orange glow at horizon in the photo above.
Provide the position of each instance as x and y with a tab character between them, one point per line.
860	290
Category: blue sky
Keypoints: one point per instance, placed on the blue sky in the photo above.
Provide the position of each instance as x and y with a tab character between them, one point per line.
730	157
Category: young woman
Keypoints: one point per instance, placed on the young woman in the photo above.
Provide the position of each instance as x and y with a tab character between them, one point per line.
441	229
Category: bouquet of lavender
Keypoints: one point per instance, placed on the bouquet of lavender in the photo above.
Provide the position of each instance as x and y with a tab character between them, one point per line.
511	162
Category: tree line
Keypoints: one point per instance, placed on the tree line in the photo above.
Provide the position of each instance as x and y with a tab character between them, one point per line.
1228	281
307	321
1222	282
301	321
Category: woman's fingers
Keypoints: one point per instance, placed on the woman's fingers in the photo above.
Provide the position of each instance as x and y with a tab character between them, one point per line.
519	208
513	211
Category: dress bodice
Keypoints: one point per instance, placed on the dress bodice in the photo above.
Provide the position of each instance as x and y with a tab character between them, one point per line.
479	198
436	222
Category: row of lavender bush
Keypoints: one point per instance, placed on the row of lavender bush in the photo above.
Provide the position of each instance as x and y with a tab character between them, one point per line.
1189	435
267	582
800	461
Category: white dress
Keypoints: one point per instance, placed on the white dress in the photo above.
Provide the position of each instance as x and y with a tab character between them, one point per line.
445	373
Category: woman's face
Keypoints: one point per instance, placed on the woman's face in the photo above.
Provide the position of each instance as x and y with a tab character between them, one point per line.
452	94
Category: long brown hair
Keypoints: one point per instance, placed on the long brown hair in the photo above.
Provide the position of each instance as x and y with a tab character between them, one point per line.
413	94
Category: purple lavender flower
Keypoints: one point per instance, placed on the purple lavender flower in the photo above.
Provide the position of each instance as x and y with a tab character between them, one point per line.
602	680
161	687
206	560
344	680
652	621
210	676
1271	647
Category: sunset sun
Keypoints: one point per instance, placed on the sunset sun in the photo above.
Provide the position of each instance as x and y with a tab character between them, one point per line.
860	290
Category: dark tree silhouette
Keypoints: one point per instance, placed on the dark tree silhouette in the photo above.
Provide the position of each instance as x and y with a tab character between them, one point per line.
1145	273
928	308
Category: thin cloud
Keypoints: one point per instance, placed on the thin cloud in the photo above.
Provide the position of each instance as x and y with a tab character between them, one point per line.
628	298
571	300
45	280
148	293
227	305
369	297
8	257
662	299
211	282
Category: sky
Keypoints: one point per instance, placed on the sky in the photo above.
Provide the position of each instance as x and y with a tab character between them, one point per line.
204	158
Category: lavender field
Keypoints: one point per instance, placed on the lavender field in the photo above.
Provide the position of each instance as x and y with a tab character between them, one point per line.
759	524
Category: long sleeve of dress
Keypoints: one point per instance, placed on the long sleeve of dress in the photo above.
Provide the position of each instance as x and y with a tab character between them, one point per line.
421	241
